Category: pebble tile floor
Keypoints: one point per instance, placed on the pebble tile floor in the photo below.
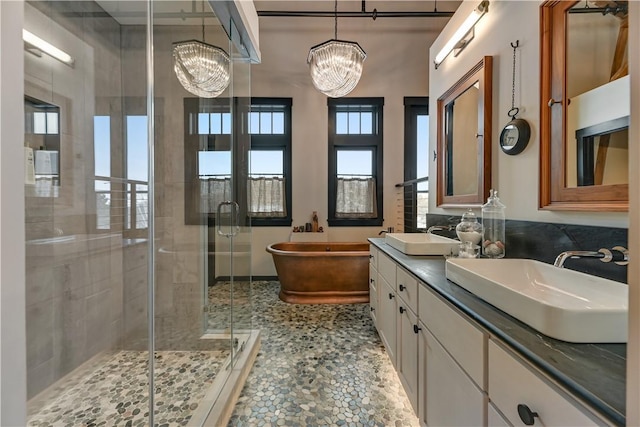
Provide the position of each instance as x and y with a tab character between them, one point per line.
116	394
319	365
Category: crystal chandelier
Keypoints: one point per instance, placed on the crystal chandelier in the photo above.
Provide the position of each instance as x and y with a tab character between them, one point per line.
336	65
201	68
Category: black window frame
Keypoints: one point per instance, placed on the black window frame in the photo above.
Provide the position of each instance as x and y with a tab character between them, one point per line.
414	106
266	142
373	141
240	141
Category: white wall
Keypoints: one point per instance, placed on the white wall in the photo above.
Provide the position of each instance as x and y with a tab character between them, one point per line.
515	177
13	370
396	66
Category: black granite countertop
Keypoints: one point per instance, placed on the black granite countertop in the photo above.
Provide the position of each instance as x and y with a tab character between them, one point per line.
594	373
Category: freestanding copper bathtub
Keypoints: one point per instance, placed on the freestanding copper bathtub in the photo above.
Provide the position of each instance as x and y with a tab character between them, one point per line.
322	273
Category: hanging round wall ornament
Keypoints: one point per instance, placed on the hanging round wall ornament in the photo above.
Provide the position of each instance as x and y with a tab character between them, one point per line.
515	135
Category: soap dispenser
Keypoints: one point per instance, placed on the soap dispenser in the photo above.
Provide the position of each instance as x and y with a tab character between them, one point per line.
493	232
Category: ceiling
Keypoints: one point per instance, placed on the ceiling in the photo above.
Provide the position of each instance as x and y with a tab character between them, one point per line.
189	12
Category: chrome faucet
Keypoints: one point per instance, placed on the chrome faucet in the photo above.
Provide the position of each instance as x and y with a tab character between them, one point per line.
440	227
605	255
388	230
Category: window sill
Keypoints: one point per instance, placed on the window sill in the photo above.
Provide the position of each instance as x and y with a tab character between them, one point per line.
355	222
271	222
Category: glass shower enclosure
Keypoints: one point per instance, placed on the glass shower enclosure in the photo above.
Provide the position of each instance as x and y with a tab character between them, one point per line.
137	244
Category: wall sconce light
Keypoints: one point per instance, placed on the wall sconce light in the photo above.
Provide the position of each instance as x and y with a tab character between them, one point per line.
44	46
463	35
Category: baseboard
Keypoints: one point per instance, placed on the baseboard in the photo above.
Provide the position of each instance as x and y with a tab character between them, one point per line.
245	278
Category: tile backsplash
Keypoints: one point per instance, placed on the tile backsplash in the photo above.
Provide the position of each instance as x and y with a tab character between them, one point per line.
543	241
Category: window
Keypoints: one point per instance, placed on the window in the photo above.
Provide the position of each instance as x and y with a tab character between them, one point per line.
240	150
416	163
269	180
355	161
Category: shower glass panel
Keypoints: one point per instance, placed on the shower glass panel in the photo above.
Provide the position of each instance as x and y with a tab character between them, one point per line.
86	223
198	225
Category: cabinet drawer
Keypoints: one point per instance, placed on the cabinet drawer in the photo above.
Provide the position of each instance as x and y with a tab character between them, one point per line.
373	256
511	384
387	269
373	277
466	345
407	288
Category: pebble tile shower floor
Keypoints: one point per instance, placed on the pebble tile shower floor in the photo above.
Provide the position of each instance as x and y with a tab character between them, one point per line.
319	365
116	394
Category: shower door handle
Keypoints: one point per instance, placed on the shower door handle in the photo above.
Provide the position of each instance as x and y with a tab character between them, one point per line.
235	209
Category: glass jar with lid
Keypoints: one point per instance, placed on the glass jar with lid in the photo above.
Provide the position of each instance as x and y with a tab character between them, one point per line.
469	229
493	219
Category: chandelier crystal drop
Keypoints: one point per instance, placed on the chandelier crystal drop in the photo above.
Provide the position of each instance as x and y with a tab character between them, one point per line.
201	68
336	65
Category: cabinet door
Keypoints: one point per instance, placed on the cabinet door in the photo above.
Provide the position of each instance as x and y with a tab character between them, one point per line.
495	419
387	317
408	352
373	294
373	306
448	397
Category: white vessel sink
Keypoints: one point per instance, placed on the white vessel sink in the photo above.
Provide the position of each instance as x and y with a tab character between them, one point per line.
422	243
560	303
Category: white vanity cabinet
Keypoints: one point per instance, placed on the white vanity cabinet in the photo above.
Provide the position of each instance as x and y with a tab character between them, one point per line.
517	392
373	284
387	318
407	336
387	305
453	372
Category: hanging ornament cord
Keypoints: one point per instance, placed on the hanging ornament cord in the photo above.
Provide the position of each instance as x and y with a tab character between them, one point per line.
514	111
335	14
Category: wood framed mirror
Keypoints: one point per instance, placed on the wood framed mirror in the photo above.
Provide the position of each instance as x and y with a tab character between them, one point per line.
584	106
464	138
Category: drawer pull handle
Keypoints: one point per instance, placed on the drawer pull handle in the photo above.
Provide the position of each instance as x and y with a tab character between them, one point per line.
402	287
402	310
371	280
391	295
416	328
526	415
370	256
372	309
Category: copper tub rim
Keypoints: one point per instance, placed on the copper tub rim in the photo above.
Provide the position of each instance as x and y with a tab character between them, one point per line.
297	253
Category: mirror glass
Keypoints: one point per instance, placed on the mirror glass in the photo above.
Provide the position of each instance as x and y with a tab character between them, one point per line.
597	82
462	156
464	138
585	106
